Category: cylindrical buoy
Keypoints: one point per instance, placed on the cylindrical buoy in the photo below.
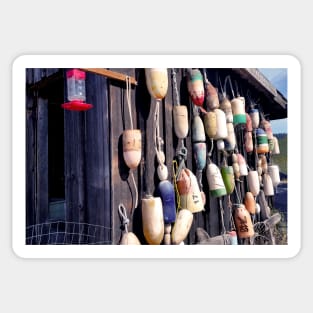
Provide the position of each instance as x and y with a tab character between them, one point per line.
248	142
198	133
132	147
215	180
152	220
157	82
262	141
273	171
233	238
180	117
243	169
189	191
255	118
162	172
228	178
276	149
199	152
167	195
238	108
257	208
181	226
225	105
268	185
221	128
195	87
263	163
243	223
254	183
250	202
266	125
211	96
248	123
129	238
220	145
235	166
210	124
231	137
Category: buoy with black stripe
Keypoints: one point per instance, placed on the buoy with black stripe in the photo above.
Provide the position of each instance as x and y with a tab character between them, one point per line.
195	86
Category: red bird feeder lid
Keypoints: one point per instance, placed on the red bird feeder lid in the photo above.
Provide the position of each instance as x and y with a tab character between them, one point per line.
77	105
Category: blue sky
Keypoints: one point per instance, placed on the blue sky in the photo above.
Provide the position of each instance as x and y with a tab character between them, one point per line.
278	77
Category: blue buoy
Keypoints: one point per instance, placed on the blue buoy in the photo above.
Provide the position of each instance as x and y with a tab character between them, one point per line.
167	194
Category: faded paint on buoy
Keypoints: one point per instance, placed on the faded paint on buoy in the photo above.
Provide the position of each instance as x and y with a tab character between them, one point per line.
255	118
276	149
231	137
211	96
199	152
243	223
132	147
162	172
266	125
243	169
152	220
262	141
248	123
180	117
210	124
195	86
129	238
220	144
221	128
225	105
228	178
157	82
181	226
248	142
238	108
167	195
254	183
215	180
268	185
273	171
249	202
198	133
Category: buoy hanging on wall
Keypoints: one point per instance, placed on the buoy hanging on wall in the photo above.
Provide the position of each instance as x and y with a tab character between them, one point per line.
167	195
132	147
268	185
238	108
152	220
198	133
255	118
249	202
236	166
221	128
210	124
273	171
230	141
215	180
276	149
180	117
182	226
157	82
243	169
228	178
225	106
211	96
262	141
243	223
195	86
253	182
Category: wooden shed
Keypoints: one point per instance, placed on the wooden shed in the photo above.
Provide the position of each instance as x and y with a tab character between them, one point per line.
75	173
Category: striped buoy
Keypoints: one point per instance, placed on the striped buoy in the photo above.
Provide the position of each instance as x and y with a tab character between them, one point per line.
243	169
225	105
210	124
273	171
211	96
157	82
215	180
189	191
249	202
248	142
228	178
221	132
132	147
276	149
180	117
238	108
167	195
182	226
254	183
200	154
195	86
230	141
243	223
152	220
262	141
255	118
268	185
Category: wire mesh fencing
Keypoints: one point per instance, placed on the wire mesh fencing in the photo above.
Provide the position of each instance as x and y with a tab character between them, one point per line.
67	233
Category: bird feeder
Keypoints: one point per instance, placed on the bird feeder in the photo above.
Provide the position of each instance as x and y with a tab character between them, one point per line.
76	91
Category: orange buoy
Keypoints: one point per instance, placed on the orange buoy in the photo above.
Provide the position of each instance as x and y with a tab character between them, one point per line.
152	220
221	128
195	86
181	226
254	183
215	180
180	117
243	223
132	147
211	96
249	202
189	191
210	124
248	142
157	82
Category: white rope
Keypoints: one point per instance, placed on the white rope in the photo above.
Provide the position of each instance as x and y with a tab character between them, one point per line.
123	213
157	139
128	98
136	191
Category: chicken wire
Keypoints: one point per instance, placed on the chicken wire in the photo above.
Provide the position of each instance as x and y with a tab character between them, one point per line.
67	233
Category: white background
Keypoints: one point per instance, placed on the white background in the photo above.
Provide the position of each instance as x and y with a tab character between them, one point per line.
75	27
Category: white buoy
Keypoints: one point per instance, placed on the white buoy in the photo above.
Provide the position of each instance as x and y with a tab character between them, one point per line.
253	182
268	185
273	171
221	132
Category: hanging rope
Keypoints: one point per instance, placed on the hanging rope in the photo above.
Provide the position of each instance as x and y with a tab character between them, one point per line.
177	102
227	79
123	214
128	98
158	141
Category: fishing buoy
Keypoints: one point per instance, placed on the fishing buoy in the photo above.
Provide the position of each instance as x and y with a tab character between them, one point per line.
262	141
233	237
243	169
248	142
189	191
230	141
257	208
263	163
181	226
268	185
132	147
228	178
199	152
210	124
198	133
254	183
195	86
157	82
225	105
255	118
221	128
152	220
248	123
273	171
266	125
167	195
215	180
162	171
129	238
180	117
238	108
211	96
276	149
243	223
220	145
249	202
235	166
